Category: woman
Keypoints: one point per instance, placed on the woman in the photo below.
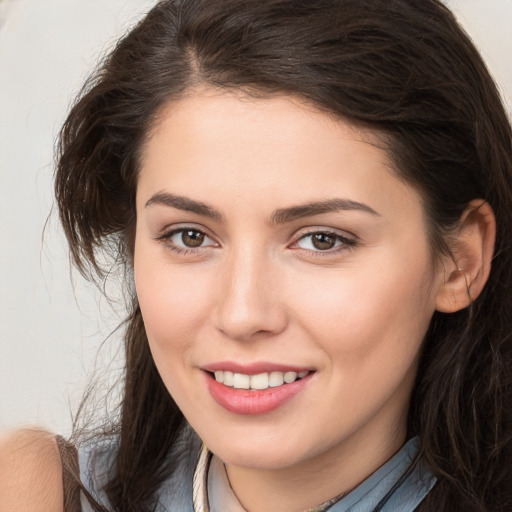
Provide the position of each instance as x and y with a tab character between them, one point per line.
307	198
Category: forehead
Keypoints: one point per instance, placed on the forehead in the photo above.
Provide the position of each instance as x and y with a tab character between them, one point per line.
234	145
280	122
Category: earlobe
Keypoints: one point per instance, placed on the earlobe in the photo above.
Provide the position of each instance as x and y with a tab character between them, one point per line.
472	250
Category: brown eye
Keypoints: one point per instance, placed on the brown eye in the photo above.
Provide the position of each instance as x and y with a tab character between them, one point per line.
184	240
192	238
323	241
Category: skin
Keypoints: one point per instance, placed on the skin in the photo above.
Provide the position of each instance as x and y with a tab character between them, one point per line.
257	290
30	472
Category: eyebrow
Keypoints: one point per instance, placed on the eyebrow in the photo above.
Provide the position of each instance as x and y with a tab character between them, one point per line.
280	216
284	215
185	204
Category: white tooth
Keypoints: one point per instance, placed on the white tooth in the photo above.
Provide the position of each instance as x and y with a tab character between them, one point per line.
301	375
241	381
228	378
259	381
219	376
276	379
290	377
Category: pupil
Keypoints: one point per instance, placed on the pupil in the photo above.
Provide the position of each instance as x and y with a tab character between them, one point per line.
323	241
192	238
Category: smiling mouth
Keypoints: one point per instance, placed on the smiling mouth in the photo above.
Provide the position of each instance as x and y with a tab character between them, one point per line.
257	382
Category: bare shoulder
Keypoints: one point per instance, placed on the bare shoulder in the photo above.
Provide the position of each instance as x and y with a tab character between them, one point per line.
30	472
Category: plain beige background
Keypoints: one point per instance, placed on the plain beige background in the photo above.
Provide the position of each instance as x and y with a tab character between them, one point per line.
51	324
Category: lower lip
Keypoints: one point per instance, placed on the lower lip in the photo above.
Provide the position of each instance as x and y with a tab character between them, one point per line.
253	402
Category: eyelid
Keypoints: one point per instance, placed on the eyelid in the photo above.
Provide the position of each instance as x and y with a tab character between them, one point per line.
311	230
171	229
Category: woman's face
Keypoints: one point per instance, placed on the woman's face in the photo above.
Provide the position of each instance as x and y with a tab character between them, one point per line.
275	242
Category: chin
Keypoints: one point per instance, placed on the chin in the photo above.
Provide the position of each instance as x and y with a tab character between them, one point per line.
269	452
257	458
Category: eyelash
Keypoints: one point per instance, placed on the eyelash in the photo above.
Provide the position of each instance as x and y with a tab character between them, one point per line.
345	242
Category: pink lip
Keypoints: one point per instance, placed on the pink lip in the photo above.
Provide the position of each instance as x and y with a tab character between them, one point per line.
251	402
252	368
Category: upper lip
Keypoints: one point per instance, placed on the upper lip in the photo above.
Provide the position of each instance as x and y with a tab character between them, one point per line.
253	368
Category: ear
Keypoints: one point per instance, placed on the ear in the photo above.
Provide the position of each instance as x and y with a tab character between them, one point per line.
467	271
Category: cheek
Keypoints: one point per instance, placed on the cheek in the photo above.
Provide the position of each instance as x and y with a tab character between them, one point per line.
172	299
367	312
173	306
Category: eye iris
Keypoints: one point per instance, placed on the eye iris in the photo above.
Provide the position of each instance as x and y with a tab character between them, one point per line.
192	238
323	241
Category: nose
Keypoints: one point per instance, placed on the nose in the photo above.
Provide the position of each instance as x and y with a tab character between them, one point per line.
250	297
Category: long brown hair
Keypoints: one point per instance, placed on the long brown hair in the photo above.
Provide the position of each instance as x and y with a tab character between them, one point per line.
403	67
